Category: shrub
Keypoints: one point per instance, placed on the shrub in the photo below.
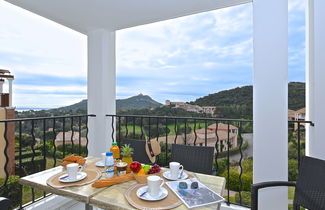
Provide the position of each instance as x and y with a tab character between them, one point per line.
29	166
245	198
292	169
234	182
154	132
74	150
247	165
247	181
233	179
26	139
233	151
27	154
222	166
11	190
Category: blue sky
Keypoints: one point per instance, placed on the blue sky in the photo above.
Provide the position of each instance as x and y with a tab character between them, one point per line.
180	59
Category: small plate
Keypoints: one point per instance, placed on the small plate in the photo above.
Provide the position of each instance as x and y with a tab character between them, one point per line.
80	176
162	194
166	174
100	164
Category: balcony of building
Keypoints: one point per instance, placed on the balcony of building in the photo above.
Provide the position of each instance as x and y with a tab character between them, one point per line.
270	35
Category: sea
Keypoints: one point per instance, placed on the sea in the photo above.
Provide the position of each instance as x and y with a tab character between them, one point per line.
21	109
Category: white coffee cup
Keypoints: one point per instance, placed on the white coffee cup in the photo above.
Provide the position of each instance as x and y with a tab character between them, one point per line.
72	170
154	185
175	170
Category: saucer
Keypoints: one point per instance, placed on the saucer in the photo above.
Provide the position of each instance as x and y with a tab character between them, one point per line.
162	194
100	163
166	175
65	178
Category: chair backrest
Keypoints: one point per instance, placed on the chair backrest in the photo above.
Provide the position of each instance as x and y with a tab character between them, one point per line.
4	203
194	158
140	154
310	186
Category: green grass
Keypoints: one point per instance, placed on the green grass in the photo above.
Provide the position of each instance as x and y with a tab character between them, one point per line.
171	127
291	192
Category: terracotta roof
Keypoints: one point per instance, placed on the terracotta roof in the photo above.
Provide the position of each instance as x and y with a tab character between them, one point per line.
301	111
68	134
291	113
222	126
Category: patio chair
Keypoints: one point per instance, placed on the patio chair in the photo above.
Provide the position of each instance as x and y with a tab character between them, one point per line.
4	203
309	188
140	154
194	158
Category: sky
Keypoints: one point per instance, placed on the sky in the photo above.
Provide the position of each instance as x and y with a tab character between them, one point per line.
180	59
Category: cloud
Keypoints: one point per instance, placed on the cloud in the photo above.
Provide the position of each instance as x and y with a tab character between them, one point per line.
179	59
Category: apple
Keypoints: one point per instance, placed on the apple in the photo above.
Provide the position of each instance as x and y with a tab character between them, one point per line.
146	168
135	166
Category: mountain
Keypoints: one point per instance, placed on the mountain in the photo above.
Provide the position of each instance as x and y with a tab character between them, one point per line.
135	102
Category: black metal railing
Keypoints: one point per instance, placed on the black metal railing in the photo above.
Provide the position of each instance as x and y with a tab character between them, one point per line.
41	143
233	152
225	135
36	144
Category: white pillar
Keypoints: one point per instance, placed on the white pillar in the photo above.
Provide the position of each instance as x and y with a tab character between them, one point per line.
101	89
10	91
1	88
270	87
1	85
315	74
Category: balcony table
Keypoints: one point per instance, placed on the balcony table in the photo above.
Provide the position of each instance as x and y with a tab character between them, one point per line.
107	197
80	193
113	197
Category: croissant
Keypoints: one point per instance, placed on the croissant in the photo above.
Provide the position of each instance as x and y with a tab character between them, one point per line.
73	159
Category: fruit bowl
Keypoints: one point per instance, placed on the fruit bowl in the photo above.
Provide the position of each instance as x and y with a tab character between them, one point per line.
142	179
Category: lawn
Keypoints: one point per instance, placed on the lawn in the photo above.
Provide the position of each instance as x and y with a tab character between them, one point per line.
171	127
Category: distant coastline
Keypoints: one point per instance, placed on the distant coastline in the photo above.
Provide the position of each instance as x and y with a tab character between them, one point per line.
22	109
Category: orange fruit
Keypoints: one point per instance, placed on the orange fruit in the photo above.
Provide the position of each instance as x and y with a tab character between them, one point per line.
142	172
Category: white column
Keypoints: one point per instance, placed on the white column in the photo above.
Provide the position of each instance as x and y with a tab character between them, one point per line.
101	89
1	86
270	96
315	74
10	91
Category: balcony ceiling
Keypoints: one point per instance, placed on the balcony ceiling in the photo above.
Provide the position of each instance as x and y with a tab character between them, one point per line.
86	15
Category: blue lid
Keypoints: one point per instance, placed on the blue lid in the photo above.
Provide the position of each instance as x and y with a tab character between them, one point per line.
109	153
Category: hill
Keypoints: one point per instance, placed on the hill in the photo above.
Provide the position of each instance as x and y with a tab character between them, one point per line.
135	102
238	102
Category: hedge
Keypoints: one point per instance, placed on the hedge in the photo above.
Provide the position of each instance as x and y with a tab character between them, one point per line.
27	154
233	151
29	166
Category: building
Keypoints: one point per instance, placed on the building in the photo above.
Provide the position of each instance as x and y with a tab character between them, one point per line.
216	133
7	111
209	109
75	138
270	51
192	108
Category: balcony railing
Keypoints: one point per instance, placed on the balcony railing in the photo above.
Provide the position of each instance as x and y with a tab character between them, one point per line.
41	143
37	144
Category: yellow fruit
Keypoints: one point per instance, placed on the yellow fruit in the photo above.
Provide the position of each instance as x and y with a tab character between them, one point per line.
142	172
